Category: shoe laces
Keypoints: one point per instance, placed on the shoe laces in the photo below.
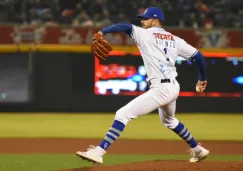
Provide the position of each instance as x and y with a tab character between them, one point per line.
192	152
91	147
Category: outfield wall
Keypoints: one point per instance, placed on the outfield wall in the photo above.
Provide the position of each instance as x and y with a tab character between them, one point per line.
45	80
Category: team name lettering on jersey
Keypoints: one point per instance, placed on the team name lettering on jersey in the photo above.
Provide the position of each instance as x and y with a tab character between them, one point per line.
166	40
163	36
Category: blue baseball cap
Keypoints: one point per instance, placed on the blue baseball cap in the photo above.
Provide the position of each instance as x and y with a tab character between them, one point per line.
152	12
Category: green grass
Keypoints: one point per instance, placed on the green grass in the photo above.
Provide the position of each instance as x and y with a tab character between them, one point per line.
47	162
204	127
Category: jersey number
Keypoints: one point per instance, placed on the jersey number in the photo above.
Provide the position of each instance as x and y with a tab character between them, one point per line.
166	50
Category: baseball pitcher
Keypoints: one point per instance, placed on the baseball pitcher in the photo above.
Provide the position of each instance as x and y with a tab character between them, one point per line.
159	50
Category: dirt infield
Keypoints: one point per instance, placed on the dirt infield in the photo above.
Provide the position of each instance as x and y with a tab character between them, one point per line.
171	165
70	146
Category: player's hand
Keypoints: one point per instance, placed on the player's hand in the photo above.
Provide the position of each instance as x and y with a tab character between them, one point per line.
201	86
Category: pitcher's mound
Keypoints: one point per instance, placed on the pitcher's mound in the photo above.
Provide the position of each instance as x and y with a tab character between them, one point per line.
169	165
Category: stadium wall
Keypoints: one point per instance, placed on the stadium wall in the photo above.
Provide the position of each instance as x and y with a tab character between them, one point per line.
61	80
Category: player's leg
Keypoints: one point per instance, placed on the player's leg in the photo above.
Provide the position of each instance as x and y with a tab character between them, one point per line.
141	105
167	116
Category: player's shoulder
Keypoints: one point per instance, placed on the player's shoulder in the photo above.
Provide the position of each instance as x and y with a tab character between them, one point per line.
176	38
161	30
180	41
137	28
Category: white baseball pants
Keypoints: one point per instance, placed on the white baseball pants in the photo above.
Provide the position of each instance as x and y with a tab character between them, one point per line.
161	96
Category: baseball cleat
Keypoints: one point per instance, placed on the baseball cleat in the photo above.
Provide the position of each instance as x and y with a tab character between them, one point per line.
198	156
93	154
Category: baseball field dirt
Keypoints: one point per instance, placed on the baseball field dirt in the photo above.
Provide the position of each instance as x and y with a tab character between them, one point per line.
70	146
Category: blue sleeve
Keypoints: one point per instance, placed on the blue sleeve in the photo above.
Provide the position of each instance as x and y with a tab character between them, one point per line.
198	58
119	27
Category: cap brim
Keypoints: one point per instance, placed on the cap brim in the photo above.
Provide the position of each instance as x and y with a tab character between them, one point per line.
143	16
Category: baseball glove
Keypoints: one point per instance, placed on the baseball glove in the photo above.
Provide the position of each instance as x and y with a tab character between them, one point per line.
100	47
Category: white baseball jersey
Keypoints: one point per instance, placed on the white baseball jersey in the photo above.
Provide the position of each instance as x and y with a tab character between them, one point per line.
159	50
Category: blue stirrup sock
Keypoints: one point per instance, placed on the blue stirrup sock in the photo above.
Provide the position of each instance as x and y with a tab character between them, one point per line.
118	127
113	133
185	134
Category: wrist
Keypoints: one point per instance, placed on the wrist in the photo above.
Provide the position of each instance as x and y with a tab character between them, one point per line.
202	78
100	32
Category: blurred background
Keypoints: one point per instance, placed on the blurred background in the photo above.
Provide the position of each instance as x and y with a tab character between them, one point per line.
179	13
46	64
57	98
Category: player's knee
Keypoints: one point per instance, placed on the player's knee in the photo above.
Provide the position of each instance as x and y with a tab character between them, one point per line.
123	116
170	122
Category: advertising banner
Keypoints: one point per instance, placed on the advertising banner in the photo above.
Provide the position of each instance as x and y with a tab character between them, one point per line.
200	38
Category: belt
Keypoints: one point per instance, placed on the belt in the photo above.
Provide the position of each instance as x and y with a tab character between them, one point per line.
159	81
